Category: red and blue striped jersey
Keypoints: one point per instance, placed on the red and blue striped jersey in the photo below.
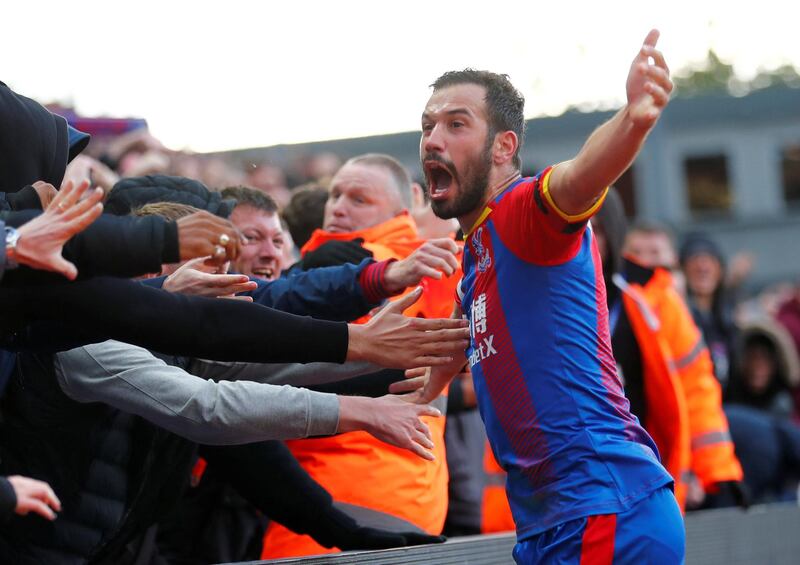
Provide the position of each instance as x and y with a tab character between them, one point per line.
545	377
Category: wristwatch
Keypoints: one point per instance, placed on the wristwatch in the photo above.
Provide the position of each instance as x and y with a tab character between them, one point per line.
12	237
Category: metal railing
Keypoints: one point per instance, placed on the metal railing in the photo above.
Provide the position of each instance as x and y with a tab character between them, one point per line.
764	535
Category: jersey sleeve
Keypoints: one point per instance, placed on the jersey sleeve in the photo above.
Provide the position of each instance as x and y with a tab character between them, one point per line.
533	227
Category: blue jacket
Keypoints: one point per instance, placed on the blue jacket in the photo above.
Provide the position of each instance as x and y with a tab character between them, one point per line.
328	293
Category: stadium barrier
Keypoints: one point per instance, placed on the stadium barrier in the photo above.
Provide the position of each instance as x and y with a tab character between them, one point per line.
763	535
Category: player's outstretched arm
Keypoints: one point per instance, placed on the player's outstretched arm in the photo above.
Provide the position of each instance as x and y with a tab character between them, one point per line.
577	184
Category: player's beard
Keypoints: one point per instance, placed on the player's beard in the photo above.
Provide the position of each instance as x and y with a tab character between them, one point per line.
472	185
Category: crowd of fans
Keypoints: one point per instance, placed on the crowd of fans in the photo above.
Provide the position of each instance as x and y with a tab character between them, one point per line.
144	420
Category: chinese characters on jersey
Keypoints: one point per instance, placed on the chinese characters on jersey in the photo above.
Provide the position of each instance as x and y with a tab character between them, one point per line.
482	344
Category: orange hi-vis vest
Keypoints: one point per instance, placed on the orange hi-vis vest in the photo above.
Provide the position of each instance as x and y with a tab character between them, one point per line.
495	511
356	468
713	459
667	413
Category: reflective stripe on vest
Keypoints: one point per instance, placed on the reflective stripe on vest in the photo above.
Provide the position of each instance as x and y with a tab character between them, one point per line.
711	438
669	419
494	479
689	358
647	314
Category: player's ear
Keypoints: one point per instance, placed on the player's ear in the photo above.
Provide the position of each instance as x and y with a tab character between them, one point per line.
504	147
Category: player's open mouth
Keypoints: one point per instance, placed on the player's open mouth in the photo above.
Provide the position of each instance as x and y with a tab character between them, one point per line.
440	179
266	273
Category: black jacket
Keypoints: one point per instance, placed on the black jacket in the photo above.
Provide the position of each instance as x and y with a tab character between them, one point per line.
34	143
134	192
114	473
121	247
109	308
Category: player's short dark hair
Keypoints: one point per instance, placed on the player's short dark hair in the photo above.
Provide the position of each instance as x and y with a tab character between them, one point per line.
397	172
505	105
246	196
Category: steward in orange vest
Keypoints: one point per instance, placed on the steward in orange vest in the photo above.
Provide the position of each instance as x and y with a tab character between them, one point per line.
377	484
659	400
713	460
664	364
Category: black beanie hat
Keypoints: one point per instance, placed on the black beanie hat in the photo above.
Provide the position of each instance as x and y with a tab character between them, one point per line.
697	244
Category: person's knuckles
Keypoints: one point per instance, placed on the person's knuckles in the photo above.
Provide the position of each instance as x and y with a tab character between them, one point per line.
432	324
435	261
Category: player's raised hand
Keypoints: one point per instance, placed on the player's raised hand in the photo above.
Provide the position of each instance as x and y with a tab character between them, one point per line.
648	86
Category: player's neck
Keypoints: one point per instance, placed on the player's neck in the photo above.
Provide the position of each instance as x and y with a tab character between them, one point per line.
495	188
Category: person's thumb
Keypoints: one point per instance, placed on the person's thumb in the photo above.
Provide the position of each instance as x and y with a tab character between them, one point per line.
240	298
61	265
199	264
407	385
222	281
406	301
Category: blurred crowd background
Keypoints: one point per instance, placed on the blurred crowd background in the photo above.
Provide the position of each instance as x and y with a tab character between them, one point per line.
715	192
